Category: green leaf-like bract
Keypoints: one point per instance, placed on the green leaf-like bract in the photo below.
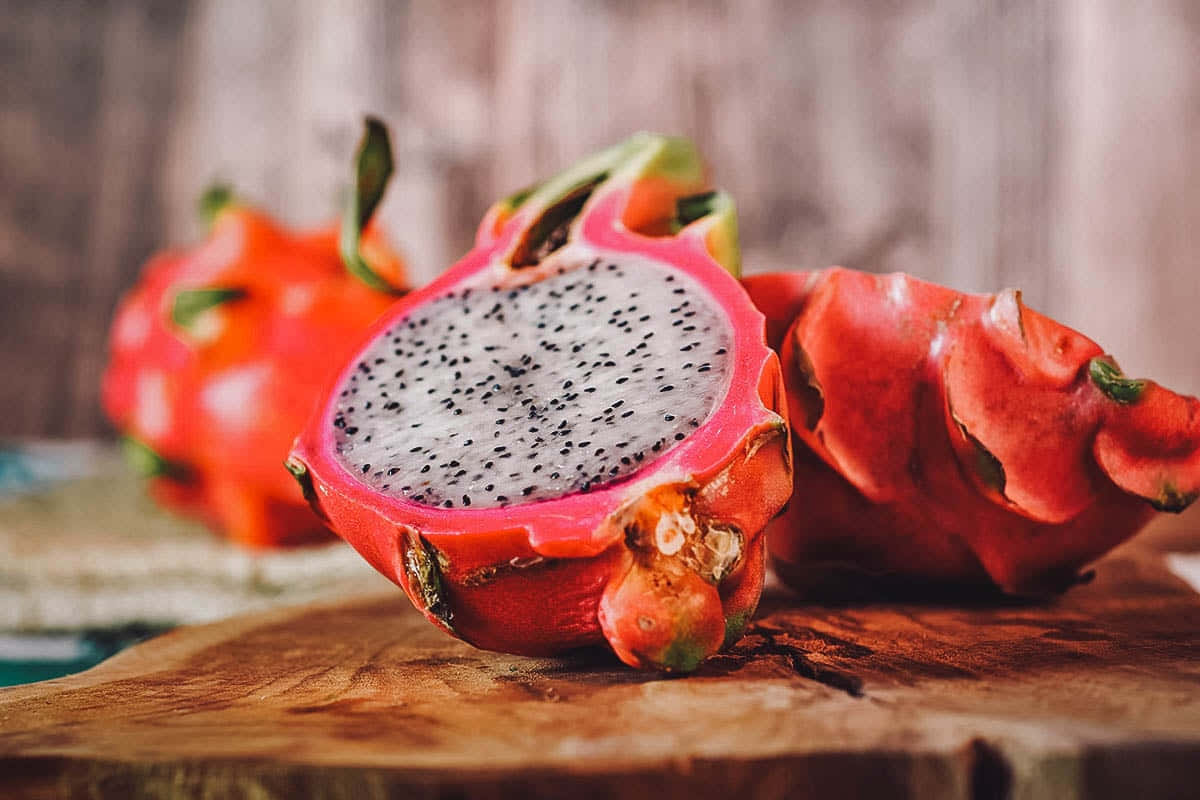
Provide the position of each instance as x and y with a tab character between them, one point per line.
1109	379
689	209
372	169
303	477
1172	500
549	231
215	198
191	303
148	463
518	198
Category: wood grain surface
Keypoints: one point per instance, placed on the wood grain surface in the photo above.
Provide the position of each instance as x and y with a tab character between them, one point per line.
1094	696
1043	144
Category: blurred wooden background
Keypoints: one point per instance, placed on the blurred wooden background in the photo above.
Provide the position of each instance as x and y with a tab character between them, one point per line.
1047	145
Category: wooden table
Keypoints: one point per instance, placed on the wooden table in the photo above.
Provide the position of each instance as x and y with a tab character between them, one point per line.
1096	696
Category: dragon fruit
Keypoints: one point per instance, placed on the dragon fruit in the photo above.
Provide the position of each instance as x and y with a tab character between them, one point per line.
946	439
218	355
576	434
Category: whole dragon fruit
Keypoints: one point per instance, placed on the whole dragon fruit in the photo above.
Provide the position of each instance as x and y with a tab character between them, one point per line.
947	438
218	355
576	434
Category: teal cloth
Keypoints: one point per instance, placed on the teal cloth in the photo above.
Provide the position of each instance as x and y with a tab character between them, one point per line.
65	652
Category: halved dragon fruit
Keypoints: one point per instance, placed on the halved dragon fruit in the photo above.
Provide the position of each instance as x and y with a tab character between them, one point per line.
577	433
948	438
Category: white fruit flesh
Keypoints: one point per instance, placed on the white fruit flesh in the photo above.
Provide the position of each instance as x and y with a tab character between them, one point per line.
490	397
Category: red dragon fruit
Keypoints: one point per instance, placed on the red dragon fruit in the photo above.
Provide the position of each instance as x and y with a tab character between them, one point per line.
946	438
219	355
576	434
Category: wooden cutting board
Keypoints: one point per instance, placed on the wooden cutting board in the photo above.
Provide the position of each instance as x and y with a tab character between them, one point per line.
1096	695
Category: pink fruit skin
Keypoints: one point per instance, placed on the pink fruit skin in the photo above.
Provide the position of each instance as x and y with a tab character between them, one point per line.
945	438
530	578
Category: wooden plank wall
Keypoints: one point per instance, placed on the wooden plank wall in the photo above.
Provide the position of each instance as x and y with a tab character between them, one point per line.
1048	144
